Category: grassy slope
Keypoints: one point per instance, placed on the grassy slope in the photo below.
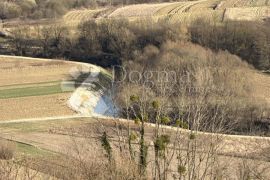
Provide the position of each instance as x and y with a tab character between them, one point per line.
30	91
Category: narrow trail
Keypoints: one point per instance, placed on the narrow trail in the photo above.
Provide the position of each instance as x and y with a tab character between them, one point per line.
128	121
43	119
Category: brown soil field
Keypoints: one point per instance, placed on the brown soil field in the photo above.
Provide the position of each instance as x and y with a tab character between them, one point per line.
35	107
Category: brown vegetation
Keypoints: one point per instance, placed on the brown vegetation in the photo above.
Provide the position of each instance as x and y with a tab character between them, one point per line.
35	107
188	154
209	86
7	150
18	71
249	40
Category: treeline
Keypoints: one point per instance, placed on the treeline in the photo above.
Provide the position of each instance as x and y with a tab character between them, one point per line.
249	40
109	42
105	43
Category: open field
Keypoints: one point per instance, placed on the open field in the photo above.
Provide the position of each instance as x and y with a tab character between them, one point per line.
243	3
14	71
80	138
74	17
247	13
31	88
35	106
30	91
184	11
140	10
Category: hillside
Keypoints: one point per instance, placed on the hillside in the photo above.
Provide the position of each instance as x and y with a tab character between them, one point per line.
42	88
164	90
49	139
183	11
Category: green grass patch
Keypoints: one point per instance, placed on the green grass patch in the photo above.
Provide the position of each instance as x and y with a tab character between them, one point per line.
30	91
14	86
24	127
26	149
43	126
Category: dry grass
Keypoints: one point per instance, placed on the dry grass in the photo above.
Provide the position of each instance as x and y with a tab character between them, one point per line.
17	71
78	16
248	13
178	7
140	10
185	12
209	15
35	107
7	149
60	137
81	141
261	91
27	73
243	3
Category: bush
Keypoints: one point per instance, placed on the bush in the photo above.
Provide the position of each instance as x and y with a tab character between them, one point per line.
7	150
9	10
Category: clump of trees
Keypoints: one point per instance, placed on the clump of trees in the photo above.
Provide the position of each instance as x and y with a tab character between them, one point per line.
248	40
194	83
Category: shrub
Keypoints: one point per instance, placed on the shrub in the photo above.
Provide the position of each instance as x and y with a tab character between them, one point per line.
9	10
7	150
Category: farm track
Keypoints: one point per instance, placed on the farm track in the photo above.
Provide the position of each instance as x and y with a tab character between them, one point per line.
43	119
246	145
126	121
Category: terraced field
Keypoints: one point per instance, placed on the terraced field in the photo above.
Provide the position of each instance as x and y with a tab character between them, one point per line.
76	16
31	88
247	13
184	11
178	11
140	10
187	12
243	3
